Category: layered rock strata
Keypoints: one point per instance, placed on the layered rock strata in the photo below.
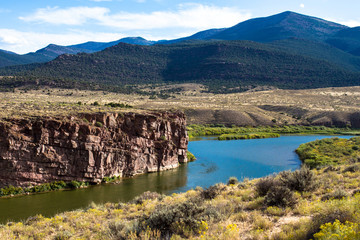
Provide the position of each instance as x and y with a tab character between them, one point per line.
89	147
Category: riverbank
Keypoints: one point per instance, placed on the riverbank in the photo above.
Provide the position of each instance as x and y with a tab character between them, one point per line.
195	130
290	205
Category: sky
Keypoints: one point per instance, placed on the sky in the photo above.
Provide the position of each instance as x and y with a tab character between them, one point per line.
28	25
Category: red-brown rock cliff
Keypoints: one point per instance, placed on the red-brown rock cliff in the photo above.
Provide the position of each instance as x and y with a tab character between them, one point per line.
90	147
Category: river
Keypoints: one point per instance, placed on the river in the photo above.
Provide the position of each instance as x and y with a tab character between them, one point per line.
216	162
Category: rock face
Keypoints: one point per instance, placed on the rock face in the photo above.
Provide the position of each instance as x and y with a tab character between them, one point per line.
90	147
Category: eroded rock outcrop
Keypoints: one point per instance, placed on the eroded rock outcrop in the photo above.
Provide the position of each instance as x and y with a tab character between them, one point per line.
90	147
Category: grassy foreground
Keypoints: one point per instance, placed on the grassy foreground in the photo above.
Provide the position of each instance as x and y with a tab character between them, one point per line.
318	204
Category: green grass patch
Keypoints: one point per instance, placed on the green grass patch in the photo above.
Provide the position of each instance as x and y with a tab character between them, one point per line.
329	152
248	136
219	129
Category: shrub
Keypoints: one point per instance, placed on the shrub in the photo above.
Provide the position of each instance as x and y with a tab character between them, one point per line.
11	190
58	185
99	124
190	156
146	196
280	196
356	191
300	180
337	194
177	218
212	191
264	184
74	184
338	230
122	229
162	138
330	215
352	168
96	103
232	181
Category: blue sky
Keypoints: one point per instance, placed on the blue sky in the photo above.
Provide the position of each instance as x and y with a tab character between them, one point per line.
30	25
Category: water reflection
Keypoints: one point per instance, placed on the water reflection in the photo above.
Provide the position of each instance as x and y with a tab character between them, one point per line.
48	204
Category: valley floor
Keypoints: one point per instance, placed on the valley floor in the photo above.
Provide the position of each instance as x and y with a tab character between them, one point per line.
328	106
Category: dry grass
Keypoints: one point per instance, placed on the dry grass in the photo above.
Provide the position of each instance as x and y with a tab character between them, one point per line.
248	108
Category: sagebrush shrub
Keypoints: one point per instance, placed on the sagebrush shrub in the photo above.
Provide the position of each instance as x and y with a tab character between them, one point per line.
280	196
168	218
300	180
264	184
146	196
232	181
212	191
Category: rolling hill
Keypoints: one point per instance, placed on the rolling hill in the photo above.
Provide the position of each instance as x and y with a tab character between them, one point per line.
224	66
347	40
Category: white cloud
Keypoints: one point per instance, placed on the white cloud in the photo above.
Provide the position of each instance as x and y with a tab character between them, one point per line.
185	20
24	42
69	16
101	0
193	16
302	5
351	23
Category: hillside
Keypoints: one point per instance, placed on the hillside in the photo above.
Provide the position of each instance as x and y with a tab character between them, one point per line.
281	26
347	40
319	50
223	66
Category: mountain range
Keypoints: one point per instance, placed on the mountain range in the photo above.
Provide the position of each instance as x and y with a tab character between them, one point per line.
277	27
287	50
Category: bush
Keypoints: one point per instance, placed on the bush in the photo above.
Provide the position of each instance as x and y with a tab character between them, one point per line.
190	156
347	230
330	215
11	190
264	184
280	196
99	124
212	191
73	184
232	181
146	196
352	168
300	180
337	194
57	185
178	217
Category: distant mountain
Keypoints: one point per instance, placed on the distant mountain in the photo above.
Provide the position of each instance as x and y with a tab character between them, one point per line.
90	47
207	34
347	40
10	59
52	51
5	51
281	26
224	66
288	32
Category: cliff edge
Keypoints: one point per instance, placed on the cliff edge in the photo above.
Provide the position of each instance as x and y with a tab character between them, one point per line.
89	147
